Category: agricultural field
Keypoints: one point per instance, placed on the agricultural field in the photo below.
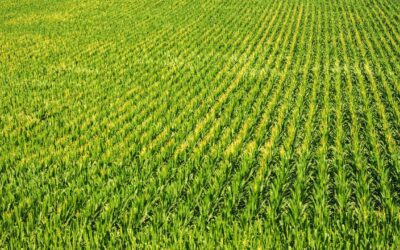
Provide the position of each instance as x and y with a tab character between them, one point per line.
200	124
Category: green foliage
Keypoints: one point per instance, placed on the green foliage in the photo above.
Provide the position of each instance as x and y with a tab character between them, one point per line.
200	124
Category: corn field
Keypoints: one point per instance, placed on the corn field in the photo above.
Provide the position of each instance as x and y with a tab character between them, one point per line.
200	124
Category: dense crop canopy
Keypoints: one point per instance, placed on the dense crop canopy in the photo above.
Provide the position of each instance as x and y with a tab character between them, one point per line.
186	123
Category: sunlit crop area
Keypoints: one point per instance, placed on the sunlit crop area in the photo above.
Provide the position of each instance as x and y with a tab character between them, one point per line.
209	124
